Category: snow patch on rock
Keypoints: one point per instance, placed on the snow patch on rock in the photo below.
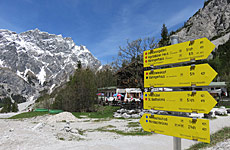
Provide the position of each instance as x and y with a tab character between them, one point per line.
42	76
51	89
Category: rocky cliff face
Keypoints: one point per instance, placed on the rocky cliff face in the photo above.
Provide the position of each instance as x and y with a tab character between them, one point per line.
211	21
34	61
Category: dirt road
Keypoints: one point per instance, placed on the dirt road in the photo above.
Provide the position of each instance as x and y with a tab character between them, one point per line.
39	133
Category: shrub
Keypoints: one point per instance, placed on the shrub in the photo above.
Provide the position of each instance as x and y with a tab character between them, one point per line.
8	106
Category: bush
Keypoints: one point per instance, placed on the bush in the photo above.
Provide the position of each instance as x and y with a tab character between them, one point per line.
206	2
14	107
8	106
79	93
42	98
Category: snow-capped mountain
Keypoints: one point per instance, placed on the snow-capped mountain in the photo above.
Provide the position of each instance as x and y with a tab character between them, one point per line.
33	61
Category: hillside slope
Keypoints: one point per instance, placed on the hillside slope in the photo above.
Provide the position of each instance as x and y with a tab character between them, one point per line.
211	21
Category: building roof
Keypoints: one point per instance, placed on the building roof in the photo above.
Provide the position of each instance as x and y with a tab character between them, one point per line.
108	88
222	84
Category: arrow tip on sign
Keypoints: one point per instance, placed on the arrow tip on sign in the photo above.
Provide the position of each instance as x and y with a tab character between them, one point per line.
144	122
208	45
212	102
211	72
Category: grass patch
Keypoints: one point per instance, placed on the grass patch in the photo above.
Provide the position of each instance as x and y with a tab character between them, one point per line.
133	124
212	118
137	132
102	119
69	137
217	137
61	138
226	104
28	115
1	104
102	112
110	126
86	121
121	118
80	131
224	115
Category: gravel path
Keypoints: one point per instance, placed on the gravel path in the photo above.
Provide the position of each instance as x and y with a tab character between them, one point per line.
41	133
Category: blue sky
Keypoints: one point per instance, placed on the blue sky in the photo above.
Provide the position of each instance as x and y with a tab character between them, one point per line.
101	25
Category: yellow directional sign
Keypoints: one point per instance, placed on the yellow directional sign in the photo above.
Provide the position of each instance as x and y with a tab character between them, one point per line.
198	75
181	127
191	50
180	101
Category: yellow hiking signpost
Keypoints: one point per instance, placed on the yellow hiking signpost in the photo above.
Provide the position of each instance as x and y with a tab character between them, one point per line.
179	101
181	127
198	75
191	50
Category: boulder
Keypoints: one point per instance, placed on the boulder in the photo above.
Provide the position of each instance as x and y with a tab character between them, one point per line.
153	111
75	131
38	126
211	114
221	112
123	110
119	111
141	114
11	130
67	127
131	112
162	113
125	115
228	110
135	116
145	111
117	115
138	110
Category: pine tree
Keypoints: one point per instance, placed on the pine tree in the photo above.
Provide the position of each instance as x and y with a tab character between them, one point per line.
221	62
79	66
79	93
14	107
164	37
9	106
105	78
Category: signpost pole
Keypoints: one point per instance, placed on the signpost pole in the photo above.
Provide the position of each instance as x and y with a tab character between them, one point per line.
176	143
176	140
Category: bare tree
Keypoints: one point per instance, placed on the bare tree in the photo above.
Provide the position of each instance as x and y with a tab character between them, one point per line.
129	62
